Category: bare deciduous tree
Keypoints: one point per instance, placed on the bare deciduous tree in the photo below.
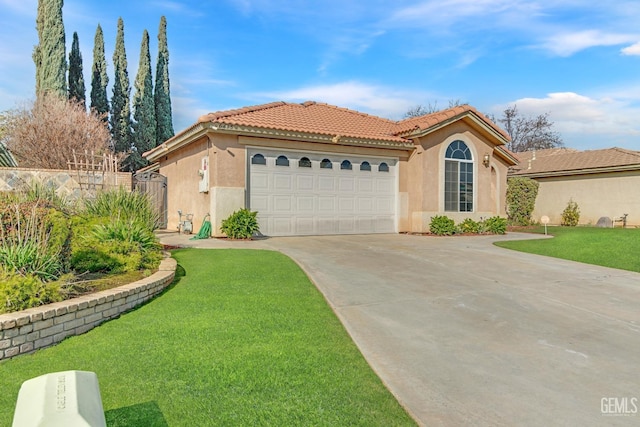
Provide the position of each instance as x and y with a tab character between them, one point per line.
421	110
528	133
44	133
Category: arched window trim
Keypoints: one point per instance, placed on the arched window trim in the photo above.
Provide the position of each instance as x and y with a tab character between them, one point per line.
326	164
304	162
282	160
383	167
258	159
459	178
346	165
365	166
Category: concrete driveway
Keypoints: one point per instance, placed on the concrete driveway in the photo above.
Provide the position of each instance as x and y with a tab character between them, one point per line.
466	333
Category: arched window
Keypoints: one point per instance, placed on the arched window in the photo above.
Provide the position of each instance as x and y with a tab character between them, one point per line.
326	164
304	162
282	161
258	159
383	167
458	178
365	166
346	164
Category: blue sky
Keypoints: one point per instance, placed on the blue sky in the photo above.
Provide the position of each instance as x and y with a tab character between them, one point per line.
577	60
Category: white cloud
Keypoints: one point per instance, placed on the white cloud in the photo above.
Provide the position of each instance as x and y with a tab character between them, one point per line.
584	121
379	100
634	50
566	44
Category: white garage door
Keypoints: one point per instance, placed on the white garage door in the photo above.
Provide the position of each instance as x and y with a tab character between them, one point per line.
298	193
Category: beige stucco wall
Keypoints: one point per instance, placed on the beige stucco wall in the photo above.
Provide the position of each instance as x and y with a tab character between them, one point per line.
181	169
425	178
597	195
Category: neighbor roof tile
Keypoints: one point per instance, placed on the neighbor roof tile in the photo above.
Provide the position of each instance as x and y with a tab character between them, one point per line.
570	160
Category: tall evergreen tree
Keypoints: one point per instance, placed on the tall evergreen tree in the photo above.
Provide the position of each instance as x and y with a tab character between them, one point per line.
162	95
76	79
120	101
50	53
144	113
99	78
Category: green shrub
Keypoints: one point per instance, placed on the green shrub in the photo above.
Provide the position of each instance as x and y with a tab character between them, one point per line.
442	225
495	225
521	199
19	292
469	226
242	224
124	205
571	214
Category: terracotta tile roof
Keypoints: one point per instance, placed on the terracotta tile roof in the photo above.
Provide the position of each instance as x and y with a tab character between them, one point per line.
311	117
315	117
566	160
427	121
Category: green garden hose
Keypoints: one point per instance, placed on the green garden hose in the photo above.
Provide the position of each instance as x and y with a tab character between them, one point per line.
205	230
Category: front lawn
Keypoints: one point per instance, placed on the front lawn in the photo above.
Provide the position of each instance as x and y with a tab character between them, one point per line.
243	338
609	247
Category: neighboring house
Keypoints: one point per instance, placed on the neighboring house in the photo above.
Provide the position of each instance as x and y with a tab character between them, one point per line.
604	183
313	168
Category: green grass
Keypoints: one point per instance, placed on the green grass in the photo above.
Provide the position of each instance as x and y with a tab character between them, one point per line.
609	247
243	338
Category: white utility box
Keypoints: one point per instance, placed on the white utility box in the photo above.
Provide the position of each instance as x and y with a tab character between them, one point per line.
69	399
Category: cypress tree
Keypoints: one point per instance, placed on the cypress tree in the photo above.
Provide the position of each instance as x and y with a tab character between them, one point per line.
76	79
144	114
99	78
162	96
50	53
120	102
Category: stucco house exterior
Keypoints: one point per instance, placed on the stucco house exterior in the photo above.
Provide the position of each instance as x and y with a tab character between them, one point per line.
604	183
314	168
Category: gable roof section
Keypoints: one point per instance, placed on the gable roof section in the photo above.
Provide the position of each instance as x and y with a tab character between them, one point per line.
321	122
566	161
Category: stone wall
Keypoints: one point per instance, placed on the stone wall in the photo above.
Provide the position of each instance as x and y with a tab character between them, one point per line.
39	327
68	184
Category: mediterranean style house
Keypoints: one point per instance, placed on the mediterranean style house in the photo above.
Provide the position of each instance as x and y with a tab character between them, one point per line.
314	168
604	183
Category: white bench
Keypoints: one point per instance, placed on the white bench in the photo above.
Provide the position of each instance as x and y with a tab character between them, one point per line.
69	399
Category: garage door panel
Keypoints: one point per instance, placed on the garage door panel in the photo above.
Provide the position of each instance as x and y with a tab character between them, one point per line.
305	204
306	201
304	225
346	184
282	182
326	204
365	185
304	182
346	225
282	226
346	205
326	183
282	204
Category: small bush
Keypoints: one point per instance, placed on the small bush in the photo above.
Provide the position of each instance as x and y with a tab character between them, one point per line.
442	225
571	214
469	226
242	224
19	292
495	225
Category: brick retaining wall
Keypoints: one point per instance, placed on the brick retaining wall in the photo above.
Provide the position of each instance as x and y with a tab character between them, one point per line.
39	327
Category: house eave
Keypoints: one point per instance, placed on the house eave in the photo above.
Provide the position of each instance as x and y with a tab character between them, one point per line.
585	171
418	133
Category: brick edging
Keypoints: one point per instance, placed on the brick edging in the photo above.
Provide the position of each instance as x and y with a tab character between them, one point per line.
39	327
